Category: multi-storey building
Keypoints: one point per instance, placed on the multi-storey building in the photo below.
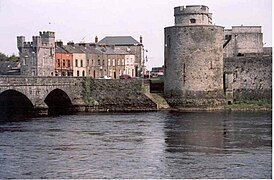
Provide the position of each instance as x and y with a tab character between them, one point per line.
63	61
96	66
79	61
115	61
129	45
130	65
107	62
37	57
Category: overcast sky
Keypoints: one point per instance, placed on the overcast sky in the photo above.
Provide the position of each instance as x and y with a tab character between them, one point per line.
82	20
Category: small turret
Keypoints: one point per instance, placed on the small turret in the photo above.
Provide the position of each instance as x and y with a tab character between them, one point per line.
192	15
20	42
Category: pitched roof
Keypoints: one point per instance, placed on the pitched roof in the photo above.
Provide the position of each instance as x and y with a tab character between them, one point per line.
73	49
111	51
90	49
119	40
9	67
60	50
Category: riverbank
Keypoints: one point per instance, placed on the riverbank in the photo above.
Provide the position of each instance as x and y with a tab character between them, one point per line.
259	105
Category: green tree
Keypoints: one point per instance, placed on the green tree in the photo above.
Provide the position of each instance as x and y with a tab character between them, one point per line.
3	57
13	58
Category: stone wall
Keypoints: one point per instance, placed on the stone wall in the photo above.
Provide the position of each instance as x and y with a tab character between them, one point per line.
244	40
251	77
86	94
117	95
194	65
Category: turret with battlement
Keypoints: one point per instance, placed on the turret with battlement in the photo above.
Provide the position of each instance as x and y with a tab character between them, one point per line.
194	59
37	56
192	15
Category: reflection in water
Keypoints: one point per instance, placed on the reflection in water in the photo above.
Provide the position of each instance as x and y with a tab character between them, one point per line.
139	145
214	132
195	133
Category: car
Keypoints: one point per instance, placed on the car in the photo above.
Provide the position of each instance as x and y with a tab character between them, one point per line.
104	77
125	76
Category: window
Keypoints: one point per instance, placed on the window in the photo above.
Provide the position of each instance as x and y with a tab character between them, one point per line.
192	21
58	63
68	62
87	61
99	62
168	40
103	63
83	73
64	63
81	63
76	63
78	73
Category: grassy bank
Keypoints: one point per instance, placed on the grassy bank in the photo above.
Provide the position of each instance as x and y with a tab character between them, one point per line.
259	105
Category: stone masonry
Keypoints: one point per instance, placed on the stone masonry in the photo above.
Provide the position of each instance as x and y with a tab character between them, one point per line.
85	93
194	61
37	57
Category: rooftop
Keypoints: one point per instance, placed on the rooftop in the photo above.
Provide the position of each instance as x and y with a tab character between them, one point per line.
119	40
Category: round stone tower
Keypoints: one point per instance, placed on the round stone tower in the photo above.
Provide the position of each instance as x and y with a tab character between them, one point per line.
194	59
192	15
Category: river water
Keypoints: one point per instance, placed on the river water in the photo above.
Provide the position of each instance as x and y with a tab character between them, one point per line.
138	145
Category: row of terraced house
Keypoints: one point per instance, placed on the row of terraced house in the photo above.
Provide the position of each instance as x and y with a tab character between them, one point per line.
111	57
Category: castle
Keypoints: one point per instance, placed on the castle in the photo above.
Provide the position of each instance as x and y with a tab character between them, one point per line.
208	66
37	57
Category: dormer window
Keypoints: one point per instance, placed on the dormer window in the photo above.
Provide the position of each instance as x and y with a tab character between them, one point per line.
192	21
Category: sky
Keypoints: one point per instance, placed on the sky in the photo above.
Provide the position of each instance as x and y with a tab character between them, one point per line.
82	20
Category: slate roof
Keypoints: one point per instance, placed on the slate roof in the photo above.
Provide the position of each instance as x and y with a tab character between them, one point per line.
60	50
73	49
90	50
118	40
9	68
110	51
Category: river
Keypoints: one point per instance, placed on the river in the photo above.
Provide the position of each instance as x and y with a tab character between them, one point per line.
138	145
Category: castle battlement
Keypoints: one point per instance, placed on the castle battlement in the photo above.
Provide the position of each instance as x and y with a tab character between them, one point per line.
193	9
246	29
47	34
41	49
192	15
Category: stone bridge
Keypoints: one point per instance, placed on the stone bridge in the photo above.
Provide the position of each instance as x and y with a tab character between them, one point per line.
19	94
40	93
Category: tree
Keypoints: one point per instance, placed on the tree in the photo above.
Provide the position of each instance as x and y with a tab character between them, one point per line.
3	57
13	58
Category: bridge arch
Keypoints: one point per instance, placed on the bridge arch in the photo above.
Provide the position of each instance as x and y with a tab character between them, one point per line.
14	105
58	102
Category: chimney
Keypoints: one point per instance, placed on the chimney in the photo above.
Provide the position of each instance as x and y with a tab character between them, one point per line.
82	44
59	43
70	43
96	39
141	39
